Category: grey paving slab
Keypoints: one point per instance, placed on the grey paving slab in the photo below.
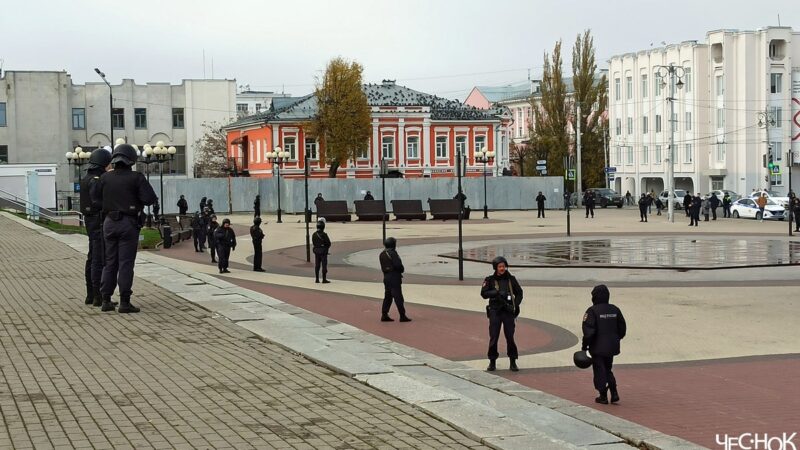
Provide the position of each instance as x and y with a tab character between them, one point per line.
406	389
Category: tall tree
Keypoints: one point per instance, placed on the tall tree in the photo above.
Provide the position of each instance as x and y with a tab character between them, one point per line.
343	123
549	135
590	93
211	155
521	155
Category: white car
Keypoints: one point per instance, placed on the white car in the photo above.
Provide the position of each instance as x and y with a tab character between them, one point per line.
783	201
721	193
679	194
747	208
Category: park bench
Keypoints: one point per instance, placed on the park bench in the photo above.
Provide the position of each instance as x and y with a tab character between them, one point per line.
445	208
333	211
408	210
370	210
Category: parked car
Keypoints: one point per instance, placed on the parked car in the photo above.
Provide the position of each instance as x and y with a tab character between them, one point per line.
604	197
747	208
721	193
772	195
679	194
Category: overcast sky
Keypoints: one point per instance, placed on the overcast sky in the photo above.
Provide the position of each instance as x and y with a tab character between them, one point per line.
438	46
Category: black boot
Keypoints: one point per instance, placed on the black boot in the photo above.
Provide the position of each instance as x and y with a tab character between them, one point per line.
325	280
614	395
513	365
386	318
126	307
492	366
107	304
97	299
405	318
602	399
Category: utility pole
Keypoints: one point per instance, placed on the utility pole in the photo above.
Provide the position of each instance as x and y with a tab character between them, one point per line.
673	71
578	182
605	155
765	119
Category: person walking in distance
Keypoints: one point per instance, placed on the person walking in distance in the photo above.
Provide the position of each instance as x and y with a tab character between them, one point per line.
713	203
695	206
392	268
318	200
628	198
197	232
203	204
123	193
212	243
257	206
225	239
659	206
643	204
540	199
99	163
794	204
603	329
588	200
505	295
183	206
706	208
726	206
257	235
761	201
687	203
322	245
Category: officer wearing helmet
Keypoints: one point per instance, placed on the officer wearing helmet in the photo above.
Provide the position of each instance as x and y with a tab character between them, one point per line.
504	294
257	234
392	268
322	246
225	238
92	211
123	193
212	244
197	231
603	328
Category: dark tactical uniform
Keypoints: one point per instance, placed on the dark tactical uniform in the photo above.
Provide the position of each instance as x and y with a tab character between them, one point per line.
93	220
795	205
257	235
643	204
540	199
183	206
318	200
726	206
203	204
392	268
694	214
603	329
713	203
124	194
257	207
505	295
212	244
322	246
198	234
588	200
687	204
210	206
369	196
225	239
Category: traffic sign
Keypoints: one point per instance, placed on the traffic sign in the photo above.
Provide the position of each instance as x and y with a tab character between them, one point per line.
544	171
541	167
541	162
571	174
611	177
611	169
775	169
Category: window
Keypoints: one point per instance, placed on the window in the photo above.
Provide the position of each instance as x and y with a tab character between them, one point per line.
720	85
290	145
241	109
617	86
720	118
657	156
777	116
657	82
644	125
480	142
618	155
775	83
387	147
177	117
2	114
645	155
412	147
658	123
118	118
618	123
362	152
777	151
3	154
258	107
778	179
461	146
688	156
630	125
721	152
687	79
644	86
441	147
674	121
178	165
717	183
311	148
140	118
629	155
688	115
78	118
629	88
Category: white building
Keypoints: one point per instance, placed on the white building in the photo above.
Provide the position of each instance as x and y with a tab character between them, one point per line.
253	102
43	115
729	82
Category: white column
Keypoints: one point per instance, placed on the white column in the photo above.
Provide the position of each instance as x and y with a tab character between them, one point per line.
426	141
275	142
376	146
401	142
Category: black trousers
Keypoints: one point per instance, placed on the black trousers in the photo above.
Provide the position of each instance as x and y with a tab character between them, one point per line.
714	213
589	210
223	253
257	256
603	376
95	258
199	239
643	213
256	213
393	290
121	240
694	218
321	262
505	319
688	214
796	220
212	247
540	211
726	211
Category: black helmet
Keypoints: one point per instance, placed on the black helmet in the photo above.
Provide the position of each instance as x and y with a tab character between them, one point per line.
390	242
125	154
257	221
496	262
99	159
582	360
321	224
226	220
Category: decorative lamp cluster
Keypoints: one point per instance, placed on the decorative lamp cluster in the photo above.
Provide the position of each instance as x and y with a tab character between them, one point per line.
485	154
78	154
278	154
159	151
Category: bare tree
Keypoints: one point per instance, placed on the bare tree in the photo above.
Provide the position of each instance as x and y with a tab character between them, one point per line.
211	154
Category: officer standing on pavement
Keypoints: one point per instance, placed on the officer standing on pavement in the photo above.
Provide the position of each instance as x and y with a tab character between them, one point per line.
183	206
124	193
726	205
212	244
93	220
588	200
322	246
197	231
392	268
603	329
257	235
794	204
225	239
257	206
540	199
203	204
643	203
505	295
694	207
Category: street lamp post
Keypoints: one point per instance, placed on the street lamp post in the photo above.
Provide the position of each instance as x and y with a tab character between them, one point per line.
484	156
76	158
110	106
460	195
306	213
148	157
790	159
278	158
384	170
162	155
673	71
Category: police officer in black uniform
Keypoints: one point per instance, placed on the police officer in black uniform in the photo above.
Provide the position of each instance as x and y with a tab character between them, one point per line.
694	210
322	246
225	239
203	204
794	204
257	206
504	294
603	329
124	193
197	231
212	244
257	234
588	201
540	199
392	268
93	220
183	206
210	206
644	202
369	196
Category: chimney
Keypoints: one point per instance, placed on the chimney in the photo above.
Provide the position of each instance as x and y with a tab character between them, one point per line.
388	82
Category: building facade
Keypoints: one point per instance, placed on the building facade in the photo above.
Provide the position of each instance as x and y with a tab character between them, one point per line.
43	115
419	134
733	110
253	102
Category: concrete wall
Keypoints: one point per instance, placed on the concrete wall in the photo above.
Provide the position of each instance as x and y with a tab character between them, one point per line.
502	192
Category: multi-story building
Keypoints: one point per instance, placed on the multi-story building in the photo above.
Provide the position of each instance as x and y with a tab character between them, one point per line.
732	110
253	102
43	115
418	133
